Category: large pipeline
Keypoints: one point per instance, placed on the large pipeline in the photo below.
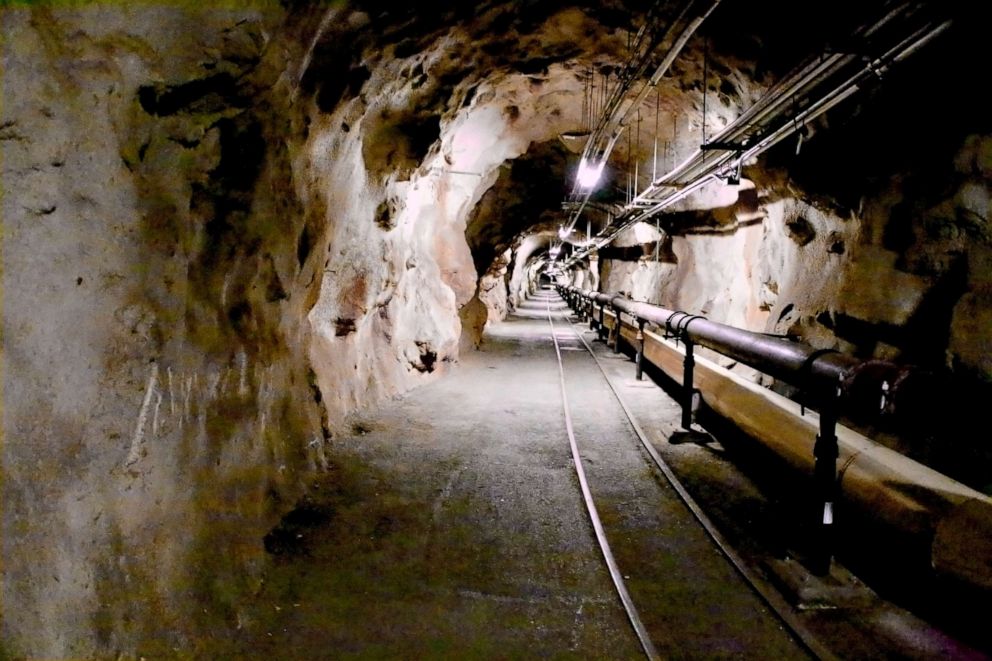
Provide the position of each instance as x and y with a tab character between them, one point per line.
793	362
951	519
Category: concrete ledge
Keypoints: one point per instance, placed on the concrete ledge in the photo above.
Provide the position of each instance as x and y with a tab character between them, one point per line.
954	520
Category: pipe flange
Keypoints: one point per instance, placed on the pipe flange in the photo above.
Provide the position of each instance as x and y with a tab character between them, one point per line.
682	326
669	331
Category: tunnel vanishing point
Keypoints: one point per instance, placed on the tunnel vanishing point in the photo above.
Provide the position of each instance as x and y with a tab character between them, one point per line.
239	240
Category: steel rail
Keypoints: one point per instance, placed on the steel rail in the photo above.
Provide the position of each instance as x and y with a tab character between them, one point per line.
758	585
604	546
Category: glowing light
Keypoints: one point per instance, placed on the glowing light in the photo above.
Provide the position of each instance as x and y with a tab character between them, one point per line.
589	174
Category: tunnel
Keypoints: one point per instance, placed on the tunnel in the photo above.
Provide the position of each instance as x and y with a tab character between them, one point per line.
509	329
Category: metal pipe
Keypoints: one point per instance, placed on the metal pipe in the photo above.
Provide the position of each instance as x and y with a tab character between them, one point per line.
666	63
954	521
612	122
813	370
896	54
639	358
899	494
793	362
705	165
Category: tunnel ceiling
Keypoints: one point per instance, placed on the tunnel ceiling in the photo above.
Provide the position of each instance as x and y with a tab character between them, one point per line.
461	60
466	123
519	69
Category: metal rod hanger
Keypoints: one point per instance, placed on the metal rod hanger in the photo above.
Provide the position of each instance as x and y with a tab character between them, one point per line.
659	31
813	88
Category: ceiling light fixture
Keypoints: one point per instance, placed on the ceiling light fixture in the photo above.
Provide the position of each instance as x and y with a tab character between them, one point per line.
589	175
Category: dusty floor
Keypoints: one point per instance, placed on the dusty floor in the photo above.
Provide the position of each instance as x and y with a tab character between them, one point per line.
452	526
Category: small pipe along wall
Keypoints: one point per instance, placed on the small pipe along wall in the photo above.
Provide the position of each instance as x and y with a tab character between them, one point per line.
952	520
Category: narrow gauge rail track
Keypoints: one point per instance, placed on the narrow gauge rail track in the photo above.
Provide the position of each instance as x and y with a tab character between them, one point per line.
757	584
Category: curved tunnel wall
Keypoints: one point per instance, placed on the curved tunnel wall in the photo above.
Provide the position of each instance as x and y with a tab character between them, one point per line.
216	252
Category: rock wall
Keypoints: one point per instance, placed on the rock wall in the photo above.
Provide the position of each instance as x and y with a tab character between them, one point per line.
524	255
231	229
157	412
493	287
873	237
398	163
861	281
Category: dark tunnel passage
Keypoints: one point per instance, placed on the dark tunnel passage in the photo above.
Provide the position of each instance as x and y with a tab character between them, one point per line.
287	288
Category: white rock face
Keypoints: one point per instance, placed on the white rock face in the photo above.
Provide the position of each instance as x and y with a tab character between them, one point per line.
802	270
493	290
520	277
400	281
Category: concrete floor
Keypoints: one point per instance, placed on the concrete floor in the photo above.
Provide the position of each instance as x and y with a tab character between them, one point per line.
452	526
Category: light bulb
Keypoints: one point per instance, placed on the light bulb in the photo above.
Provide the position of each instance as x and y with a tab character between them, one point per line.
588	175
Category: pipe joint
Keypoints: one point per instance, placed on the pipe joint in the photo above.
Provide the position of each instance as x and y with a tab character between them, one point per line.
682	327
670	323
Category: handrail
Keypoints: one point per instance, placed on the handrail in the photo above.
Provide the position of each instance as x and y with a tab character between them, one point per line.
822	372
953	520
795	363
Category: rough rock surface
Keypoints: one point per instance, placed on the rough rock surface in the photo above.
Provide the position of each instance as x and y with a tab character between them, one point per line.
157	414
231	229
885	255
